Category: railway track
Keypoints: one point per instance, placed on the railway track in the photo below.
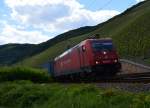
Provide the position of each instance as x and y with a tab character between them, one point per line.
132	83
138	77
131	80
127	78
123	78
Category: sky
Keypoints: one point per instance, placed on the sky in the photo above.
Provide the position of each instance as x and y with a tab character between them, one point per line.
36	21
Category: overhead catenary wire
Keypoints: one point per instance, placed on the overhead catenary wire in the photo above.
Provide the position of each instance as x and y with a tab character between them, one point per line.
105	5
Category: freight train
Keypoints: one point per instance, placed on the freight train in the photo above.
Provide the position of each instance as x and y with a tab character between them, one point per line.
91	57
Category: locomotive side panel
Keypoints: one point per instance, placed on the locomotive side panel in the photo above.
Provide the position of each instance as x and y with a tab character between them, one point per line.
85	54
63	64
75	60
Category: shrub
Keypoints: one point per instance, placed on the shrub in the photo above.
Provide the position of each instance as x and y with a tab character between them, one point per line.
23	73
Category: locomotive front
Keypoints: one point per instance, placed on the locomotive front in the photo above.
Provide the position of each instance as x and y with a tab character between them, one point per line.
105	57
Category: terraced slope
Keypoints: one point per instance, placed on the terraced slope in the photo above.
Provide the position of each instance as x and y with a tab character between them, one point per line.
130	32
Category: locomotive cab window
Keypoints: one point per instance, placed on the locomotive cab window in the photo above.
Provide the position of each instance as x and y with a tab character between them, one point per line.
102	46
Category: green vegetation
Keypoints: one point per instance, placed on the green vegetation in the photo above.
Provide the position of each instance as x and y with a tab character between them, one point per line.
22	87
25	94
23	73
12	53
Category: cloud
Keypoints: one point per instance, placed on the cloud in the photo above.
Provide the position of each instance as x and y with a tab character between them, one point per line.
139	0
83	18
52	16
56	15
10	34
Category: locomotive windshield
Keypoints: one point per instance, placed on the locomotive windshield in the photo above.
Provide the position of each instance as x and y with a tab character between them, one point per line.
102	46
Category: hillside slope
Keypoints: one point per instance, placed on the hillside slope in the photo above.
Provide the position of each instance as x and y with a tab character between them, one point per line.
130	32
13	53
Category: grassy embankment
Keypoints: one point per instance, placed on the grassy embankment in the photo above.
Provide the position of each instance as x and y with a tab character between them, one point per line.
24	94
33	91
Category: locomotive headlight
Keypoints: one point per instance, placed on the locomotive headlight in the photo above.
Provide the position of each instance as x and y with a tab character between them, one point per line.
115	60
104	52
96	62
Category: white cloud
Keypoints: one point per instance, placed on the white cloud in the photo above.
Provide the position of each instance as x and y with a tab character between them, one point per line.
56	15
83	18
53	16
139	0
10	34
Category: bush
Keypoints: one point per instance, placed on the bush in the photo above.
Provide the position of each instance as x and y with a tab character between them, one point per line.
23	73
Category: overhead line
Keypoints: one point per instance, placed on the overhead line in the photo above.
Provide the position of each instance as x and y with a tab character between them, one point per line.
105	5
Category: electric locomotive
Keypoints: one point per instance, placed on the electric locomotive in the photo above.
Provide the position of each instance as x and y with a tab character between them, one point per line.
90	57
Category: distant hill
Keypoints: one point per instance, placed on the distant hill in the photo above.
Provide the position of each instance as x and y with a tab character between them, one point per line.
130	32
13	53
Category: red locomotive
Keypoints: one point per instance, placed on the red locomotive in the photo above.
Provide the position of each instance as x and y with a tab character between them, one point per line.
90	57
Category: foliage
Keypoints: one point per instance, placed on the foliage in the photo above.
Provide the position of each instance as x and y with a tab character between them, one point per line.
25	94
23	73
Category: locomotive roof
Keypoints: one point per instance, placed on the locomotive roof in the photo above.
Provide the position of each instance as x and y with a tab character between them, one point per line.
82	42
101	39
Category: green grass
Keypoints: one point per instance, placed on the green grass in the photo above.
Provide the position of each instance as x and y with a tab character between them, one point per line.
25	94
23	73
